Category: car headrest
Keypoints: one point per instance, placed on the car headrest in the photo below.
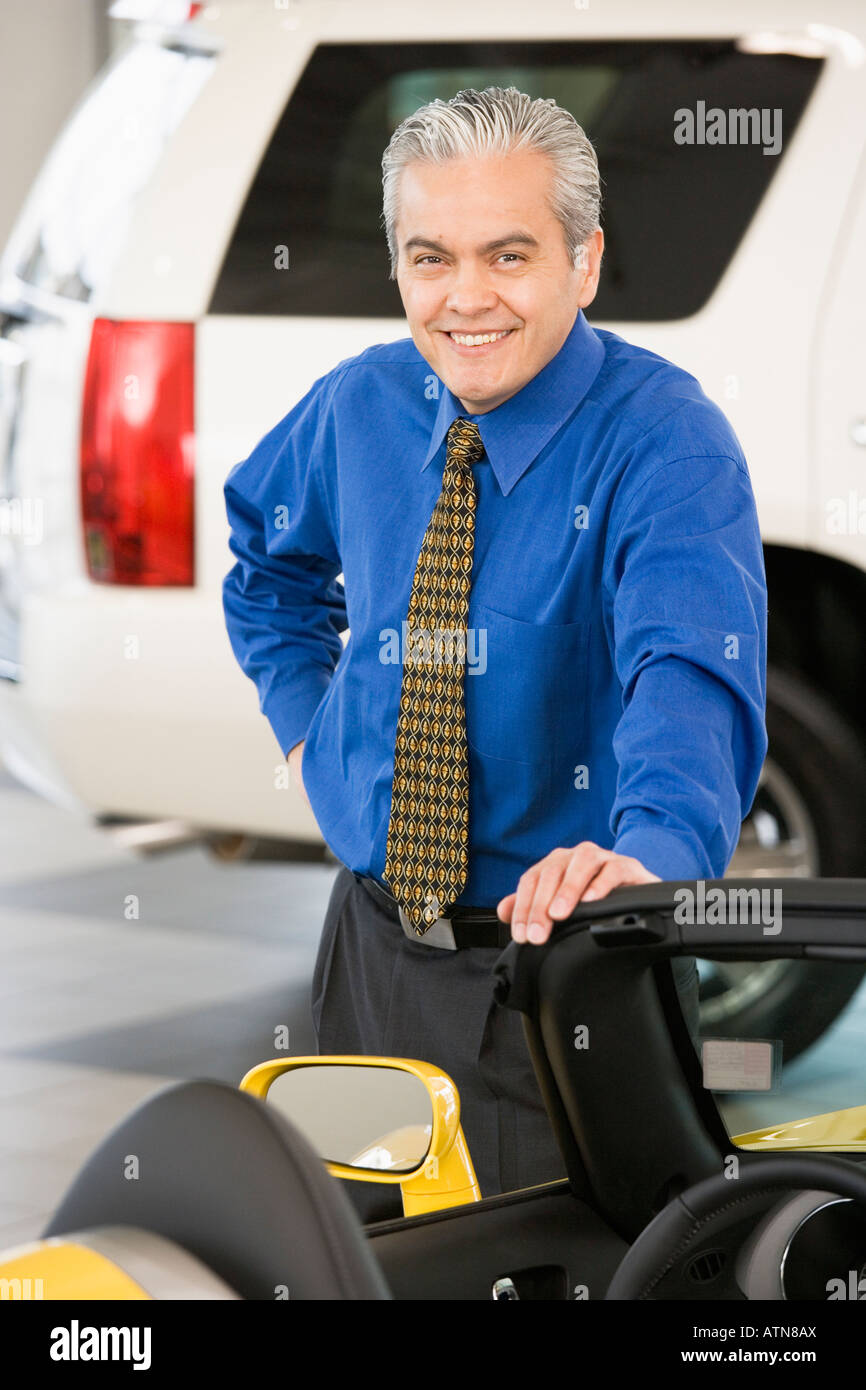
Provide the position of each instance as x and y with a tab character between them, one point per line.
109	1262
233	1182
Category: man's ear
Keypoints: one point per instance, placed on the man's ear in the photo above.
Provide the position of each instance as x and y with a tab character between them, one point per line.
591	253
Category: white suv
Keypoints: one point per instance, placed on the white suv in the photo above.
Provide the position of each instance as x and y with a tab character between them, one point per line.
205	240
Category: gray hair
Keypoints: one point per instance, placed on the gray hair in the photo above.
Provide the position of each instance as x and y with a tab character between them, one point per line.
496	121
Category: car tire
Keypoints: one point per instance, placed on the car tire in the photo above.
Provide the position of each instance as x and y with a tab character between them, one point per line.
812	798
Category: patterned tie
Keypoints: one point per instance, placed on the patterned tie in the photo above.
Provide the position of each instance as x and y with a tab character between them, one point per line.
428	832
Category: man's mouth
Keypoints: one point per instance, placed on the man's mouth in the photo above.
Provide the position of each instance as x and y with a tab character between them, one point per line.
478	339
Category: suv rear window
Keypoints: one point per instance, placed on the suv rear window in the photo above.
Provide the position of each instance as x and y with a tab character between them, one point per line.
673	214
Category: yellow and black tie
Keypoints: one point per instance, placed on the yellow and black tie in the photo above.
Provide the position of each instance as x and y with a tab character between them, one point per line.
428	832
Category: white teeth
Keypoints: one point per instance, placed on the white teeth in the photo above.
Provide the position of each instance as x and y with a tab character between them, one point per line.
468	340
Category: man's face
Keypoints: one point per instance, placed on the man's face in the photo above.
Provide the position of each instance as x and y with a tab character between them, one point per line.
481	253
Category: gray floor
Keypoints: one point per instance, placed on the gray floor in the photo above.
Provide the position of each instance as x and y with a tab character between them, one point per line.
99	1010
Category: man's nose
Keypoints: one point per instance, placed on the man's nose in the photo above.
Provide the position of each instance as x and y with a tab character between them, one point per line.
470	291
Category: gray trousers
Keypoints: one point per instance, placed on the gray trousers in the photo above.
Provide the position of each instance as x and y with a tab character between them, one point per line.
377	993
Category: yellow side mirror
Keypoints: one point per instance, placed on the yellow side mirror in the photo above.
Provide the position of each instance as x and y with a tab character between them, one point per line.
377	1119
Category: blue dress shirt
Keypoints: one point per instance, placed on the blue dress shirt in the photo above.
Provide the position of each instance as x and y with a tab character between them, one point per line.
616	654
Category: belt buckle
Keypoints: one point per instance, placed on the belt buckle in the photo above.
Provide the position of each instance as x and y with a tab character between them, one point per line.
441	933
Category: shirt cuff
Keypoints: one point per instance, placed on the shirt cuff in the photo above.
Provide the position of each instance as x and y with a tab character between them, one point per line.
290	708
663	852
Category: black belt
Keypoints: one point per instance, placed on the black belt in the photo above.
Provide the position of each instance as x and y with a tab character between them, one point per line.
466	926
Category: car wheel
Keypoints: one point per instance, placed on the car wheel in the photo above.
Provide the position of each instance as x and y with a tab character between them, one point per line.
808	820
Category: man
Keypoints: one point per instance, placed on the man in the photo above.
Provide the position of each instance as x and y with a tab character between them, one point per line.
578	514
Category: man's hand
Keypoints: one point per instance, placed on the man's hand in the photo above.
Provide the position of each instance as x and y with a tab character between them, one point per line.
294	757
556	884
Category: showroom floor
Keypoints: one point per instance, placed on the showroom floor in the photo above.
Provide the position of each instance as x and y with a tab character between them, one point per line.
98	1008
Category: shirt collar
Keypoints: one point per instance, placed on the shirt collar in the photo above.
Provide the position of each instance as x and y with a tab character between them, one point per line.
515	433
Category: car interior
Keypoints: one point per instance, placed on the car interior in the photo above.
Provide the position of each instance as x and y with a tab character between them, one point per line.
697	1168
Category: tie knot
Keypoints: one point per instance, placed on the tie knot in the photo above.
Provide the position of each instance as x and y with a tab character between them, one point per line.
464	441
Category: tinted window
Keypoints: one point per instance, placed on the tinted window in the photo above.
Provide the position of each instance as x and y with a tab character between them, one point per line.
672	216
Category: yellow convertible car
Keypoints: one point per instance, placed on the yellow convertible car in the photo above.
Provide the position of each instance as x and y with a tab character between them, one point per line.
711	1167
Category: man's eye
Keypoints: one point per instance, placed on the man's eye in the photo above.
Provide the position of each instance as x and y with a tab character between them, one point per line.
510	255
421	259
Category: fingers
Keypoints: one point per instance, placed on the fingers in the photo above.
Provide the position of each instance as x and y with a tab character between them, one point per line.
537	884
554	886
504	907
563	878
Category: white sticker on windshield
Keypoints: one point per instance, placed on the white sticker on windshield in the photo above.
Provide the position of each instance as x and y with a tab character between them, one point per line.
740	1064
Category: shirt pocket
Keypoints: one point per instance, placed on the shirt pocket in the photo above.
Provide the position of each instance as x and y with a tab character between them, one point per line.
527	700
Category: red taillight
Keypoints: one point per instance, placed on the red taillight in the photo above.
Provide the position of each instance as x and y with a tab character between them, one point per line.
137	466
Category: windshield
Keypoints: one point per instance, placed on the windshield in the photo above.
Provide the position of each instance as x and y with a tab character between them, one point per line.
782	1042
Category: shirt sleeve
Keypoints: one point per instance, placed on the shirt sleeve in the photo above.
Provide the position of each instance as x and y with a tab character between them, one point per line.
686	587
284	607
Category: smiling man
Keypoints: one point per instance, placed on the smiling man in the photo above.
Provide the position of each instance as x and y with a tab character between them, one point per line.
488	313
512	475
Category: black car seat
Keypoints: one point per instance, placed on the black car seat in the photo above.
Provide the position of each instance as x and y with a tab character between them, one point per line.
229	1179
